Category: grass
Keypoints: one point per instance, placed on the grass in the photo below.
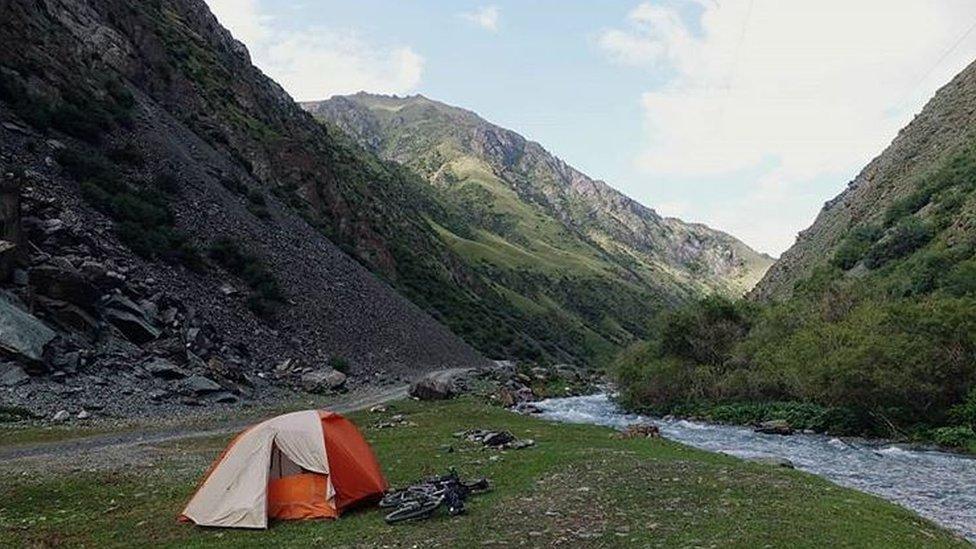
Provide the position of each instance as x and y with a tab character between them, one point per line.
15	435
577	486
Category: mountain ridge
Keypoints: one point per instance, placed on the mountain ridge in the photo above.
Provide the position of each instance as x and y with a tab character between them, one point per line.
940	128
519	194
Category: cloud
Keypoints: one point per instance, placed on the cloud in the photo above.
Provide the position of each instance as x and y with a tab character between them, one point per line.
789	89
485	17
317	63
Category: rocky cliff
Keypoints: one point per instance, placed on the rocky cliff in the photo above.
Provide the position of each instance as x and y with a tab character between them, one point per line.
185	233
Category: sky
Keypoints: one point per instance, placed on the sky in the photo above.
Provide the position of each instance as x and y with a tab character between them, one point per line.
745	115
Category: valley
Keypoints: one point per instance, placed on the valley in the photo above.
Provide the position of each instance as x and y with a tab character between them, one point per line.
186	250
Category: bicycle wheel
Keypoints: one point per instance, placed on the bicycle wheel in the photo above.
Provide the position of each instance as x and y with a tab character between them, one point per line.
414	511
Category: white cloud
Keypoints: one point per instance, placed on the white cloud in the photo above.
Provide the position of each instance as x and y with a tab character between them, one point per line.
485	17
791	89
316	63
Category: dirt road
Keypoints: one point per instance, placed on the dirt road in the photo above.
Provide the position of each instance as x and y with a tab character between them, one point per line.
116	448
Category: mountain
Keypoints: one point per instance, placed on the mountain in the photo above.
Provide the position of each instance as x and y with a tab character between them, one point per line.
867	325
920	178
183	231
550	238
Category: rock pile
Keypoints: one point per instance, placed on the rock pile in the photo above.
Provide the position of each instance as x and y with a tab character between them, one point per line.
501	440
509	384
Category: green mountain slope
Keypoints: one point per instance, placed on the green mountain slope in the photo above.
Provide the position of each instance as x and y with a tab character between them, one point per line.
556	243
870	317
909	181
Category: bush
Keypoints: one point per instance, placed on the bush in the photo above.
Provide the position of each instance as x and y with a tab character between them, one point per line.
144	221
965	412
339	364
961	280
856	245
907	236
126	154
267	294
83	165
800	415
705	332
87	122
954	437
34	110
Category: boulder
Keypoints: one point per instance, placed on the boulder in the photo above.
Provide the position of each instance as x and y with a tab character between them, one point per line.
199	385
164	369
504	369
442	384
326	379
67	315
22	335
775	427
7	251
773	461
12	374
640	430
62	282
130	319
285	366
225	397
65	360
568	372
61	415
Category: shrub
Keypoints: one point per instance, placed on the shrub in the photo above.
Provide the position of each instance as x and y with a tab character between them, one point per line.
126	154
965	412
83	165
907	236
87	123
961	280
954	437
10	414
856	245
36	111
339	364
144	221
267	293
706	331
166	182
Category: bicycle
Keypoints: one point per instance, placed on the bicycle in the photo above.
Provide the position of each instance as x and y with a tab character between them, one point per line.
422	500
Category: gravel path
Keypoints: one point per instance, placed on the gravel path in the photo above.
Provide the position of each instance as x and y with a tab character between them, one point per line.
115	449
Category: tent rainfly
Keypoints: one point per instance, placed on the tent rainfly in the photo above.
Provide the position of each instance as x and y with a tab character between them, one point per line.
302	465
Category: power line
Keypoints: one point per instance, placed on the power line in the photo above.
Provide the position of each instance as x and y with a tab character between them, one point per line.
945	54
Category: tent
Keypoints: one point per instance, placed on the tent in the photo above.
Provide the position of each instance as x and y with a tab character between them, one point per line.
302	465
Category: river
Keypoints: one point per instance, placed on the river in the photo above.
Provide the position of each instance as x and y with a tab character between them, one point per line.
937	485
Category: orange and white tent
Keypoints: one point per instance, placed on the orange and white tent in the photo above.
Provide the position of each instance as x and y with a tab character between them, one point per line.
302	465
